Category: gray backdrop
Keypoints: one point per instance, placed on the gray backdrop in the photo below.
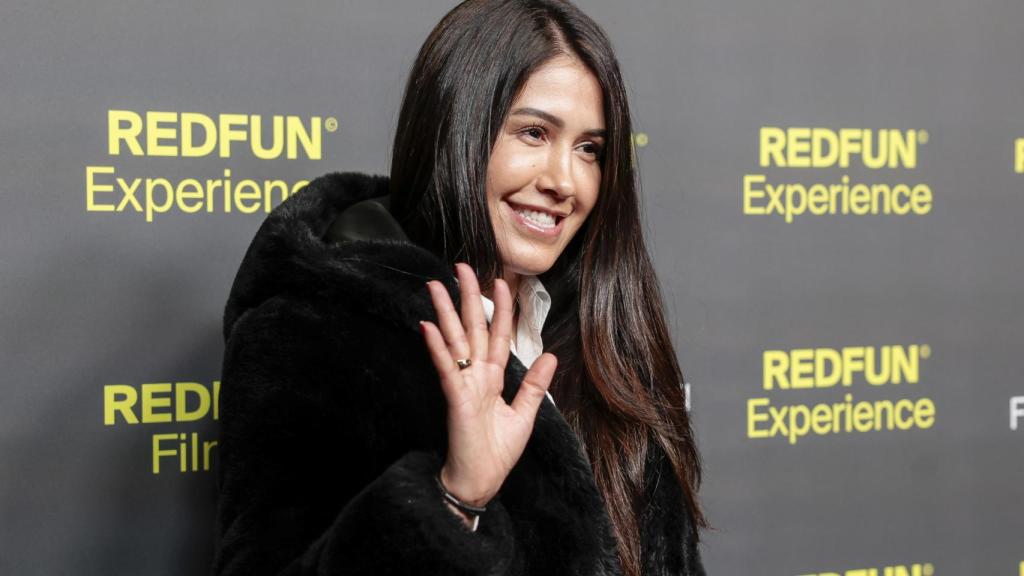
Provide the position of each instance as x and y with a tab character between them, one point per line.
105	309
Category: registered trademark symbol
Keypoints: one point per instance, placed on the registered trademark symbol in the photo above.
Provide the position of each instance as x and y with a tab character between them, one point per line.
640	139
922	136
331	124
926	351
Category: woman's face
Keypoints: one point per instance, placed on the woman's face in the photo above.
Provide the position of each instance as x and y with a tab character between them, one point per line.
544	172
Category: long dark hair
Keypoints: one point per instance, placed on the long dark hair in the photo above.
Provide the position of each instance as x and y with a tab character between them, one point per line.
618	382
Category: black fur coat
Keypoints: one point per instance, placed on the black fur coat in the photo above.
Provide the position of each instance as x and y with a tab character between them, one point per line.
333	425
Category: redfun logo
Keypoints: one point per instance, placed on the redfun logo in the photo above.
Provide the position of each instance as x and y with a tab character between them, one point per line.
193	135
167	403
825	149
834	374
183	136
924	569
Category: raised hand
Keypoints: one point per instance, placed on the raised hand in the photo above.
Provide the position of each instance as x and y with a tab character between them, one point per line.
486	436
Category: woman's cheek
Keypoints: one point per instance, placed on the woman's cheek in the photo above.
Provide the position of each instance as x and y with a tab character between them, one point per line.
523	163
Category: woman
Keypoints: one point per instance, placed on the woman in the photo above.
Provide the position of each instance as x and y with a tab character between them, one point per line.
373	420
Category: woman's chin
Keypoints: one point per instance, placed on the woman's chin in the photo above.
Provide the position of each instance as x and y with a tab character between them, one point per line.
532	266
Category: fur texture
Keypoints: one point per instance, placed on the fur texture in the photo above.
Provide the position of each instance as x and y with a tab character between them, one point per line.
333	426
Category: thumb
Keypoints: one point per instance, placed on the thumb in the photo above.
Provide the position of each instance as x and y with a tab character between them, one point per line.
535	385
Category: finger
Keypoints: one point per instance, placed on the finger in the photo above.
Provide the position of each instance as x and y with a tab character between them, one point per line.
473	318
448	320
447	369
501	325
535	386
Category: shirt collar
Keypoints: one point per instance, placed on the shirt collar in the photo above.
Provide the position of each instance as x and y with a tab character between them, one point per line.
534	302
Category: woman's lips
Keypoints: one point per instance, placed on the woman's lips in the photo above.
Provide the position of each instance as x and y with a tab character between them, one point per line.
533	229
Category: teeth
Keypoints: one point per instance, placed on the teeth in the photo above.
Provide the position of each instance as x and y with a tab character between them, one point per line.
542	219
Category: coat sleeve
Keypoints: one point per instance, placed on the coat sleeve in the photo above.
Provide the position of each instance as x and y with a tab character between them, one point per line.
299	490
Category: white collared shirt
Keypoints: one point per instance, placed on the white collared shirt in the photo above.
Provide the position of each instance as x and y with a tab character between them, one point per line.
534	304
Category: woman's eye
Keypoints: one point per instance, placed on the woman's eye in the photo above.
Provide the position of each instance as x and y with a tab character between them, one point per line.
593	149
534	131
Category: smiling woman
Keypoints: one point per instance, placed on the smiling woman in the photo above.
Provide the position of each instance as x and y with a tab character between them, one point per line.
390	341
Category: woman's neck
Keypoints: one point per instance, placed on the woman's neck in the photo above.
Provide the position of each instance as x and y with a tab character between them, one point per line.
513	280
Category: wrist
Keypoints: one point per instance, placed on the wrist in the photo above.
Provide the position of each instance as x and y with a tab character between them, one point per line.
475	498
469	513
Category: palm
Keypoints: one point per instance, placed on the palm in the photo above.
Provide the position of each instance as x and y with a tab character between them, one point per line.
486	435
503	432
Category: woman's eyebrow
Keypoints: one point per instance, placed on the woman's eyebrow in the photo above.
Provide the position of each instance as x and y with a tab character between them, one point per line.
554	120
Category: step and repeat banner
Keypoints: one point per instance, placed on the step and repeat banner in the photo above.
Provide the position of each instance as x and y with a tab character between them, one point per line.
833	193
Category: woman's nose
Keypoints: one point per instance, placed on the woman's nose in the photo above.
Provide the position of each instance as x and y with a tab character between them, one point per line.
558	176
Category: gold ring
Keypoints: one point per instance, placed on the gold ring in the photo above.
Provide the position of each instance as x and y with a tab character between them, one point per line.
464	363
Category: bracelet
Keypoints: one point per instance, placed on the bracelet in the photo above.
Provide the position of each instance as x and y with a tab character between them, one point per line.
454	501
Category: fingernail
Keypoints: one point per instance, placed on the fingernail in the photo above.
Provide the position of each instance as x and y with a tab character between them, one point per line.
423	328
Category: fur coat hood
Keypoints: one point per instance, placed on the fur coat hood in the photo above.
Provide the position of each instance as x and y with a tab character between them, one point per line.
333	422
